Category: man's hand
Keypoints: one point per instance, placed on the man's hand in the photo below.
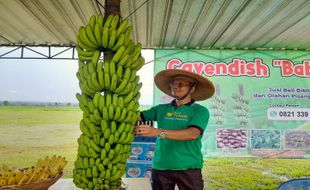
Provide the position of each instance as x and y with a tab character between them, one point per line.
146	131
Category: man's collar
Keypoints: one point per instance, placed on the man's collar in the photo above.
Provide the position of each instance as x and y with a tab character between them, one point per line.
187	104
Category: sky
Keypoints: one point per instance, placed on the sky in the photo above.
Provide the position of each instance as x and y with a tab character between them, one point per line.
48	80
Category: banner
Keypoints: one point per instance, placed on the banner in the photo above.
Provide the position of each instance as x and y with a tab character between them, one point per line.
261	107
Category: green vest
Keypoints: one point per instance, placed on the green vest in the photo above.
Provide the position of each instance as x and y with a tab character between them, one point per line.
176	154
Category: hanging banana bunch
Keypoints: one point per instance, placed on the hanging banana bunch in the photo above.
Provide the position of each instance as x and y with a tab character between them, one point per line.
109	100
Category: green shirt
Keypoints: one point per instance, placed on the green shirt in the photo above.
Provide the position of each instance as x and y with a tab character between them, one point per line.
177	154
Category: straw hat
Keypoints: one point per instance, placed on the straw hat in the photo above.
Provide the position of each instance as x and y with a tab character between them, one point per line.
204	87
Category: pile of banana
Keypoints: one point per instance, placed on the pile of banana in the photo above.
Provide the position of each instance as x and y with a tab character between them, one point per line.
109	100
44	169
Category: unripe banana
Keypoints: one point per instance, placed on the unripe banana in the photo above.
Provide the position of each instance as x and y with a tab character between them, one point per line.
84	53
107	80
119	54
105	37
113	82
104	125
95	58
84	41
119	72
122	27
105	113
114	22
98	34
121	86
119	43
92	21
123	60
111	112
100	20
112	37
101	79
91	35
112	68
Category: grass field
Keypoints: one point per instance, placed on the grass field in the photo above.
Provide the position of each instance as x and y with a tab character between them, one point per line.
29	133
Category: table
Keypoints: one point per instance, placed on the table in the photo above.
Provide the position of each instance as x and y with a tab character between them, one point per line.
132	184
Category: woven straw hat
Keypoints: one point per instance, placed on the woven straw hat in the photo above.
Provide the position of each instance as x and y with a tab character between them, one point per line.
204	87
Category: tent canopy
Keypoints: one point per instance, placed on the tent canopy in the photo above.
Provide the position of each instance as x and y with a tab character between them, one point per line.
195	24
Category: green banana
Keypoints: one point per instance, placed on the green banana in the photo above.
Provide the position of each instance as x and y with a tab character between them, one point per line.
94	81
121	128
114	22
117	113
115	100
103	154
122	27
112	68
91	35
105	37
108	21
137	88
105	113
119	72
118	55
133	75
85	40
107	80
127	89
84	58
121	102
95	146
91	106
123	60
95	171
92	21
119	43
121	86
112	37
123	114
84	53
107	147
97	116
93	153
84	129
101	79
100	66
111	111
127	74
111	154
106	133
131	105
91	68
96	99
98	33
108	99
91	162
85	162
113	82
111	140
102	141
100	20
106	66
101	102
113	127
96	138
128	98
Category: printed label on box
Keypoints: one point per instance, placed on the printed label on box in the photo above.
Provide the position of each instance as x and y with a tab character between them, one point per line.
139	169
142	151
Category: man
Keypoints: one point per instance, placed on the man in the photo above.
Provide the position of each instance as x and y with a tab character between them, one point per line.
178	159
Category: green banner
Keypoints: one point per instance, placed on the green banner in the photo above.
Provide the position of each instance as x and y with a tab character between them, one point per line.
261	106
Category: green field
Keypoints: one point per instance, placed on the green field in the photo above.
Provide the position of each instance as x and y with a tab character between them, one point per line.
29	133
